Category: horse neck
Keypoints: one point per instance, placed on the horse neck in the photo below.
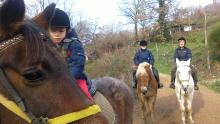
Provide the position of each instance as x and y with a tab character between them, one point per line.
152	81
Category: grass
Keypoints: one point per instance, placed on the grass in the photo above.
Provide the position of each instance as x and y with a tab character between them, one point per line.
215	86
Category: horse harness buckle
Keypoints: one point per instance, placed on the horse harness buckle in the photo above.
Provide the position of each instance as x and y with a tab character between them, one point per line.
40	120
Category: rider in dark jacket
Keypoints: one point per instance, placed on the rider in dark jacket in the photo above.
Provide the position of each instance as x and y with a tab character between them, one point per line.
183	54
71	48
144	55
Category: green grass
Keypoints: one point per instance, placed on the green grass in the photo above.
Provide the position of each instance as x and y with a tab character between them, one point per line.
213	86
216	86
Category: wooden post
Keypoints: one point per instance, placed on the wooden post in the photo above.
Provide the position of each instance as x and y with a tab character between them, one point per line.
206	43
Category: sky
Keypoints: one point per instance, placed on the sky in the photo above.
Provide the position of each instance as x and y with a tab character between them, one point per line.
103	11
106	12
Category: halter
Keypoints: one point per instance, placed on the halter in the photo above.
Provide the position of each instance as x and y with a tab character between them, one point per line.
18	107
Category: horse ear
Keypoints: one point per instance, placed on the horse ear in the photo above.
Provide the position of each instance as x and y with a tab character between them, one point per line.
43	19
11	16
177	61
188	62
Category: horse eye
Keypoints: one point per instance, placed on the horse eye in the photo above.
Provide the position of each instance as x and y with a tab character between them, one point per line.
34	75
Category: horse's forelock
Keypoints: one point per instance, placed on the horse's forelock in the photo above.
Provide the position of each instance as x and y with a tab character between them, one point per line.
34	38
141	69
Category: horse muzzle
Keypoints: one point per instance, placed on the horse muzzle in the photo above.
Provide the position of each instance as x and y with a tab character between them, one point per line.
144	90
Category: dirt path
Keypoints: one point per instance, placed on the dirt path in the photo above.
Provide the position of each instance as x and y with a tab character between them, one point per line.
206	106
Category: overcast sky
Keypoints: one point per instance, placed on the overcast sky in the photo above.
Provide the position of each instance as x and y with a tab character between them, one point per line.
107	12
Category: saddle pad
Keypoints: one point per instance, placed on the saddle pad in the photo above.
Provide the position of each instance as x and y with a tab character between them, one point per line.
105	106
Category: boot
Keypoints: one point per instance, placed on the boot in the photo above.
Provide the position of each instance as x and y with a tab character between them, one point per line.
134	83
172	85
160	85
196	87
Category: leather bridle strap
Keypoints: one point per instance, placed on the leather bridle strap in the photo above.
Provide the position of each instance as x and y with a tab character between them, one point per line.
16	97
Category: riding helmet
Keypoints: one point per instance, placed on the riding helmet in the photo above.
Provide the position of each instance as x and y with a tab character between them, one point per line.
60	19
143	43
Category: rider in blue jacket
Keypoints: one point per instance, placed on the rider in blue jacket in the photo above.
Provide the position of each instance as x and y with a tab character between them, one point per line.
183	54
144	55
71	48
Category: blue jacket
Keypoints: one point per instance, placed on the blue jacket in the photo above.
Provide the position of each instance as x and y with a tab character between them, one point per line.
143	56
182	54
75	55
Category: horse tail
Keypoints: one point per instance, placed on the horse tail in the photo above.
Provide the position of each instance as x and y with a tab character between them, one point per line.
120	97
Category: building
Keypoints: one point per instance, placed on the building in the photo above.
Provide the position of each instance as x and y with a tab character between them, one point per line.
183	28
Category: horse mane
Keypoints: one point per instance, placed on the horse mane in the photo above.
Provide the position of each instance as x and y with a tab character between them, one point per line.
141	69
151	76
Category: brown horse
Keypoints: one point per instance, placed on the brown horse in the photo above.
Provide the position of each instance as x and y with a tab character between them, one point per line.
35	83
146	91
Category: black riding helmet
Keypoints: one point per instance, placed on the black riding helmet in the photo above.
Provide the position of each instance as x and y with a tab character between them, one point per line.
143	43
60	19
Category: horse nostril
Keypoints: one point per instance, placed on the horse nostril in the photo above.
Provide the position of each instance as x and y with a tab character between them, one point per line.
145	92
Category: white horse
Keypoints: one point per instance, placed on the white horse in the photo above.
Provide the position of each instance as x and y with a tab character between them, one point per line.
184	87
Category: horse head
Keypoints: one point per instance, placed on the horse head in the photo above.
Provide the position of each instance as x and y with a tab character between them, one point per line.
183	73
144	77
33	68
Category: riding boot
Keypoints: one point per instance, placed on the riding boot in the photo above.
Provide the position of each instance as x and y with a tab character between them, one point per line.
91	86
156	75
194	76
172	84
134	83
173	76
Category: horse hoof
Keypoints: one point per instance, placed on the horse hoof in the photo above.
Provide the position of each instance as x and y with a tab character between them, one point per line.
192	122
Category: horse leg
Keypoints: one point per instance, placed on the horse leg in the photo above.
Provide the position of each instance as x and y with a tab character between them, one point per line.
189	106
182	109
151	104
146	112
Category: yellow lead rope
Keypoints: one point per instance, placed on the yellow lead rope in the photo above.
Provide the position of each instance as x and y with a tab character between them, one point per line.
64	119
74	116
10	105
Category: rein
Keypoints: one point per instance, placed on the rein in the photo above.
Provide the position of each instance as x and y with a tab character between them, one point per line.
18	106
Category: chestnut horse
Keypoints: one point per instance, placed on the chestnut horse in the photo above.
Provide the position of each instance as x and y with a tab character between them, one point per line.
35	84
146	90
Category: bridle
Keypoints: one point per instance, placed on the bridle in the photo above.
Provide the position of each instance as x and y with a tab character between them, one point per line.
18	106
5	81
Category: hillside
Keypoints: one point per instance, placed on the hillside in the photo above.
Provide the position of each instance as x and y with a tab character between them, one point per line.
118	63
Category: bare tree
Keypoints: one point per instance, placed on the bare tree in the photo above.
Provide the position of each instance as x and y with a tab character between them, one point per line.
38	6
131	9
